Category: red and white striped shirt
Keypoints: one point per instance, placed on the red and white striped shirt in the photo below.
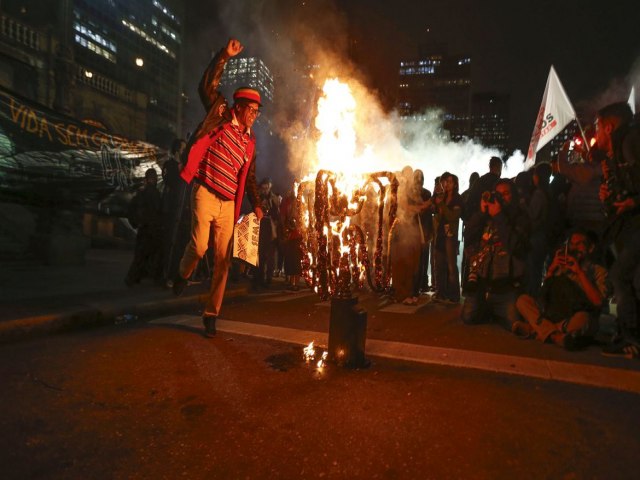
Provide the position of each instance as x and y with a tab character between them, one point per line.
222	161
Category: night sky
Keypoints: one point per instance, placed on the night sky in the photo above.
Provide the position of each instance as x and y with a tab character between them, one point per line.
594	46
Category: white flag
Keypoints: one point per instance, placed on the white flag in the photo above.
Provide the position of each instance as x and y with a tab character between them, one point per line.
556	112
632	100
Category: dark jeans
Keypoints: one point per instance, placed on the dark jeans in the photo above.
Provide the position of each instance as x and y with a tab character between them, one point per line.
266	262
481	306
625	278
147	257
448	277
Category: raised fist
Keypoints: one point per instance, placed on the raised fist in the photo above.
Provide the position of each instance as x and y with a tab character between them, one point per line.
234	47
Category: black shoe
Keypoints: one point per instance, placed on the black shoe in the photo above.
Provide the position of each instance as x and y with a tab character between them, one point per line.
522	330
179	285
574	341
209	322
570	342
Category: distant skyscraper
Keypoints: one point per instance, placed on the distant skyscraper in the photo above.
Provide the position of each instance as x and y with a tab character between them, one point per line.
490	119
249	72
437	80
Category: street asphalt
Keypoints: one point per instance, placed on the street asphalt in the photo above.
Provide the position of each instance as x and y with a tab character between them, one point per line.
37	300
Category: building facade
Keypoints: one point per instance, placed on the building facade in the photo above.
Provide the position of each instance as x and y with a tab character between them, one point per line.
112	63
490	119
437	80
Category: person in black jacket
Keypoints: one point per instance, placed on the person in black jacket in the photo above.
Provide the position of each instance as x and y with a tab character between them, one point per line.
172	204
485	183
619	139
268	238
145	214
496	271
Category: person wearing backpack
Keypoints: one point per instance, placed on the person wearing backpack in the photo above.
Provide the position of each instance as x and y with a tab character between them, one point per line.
221	163
567	309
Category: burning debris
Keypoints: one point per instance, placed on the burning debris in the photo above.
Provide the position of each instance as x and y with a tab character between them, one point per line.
335	251
309	352
309	355
344	212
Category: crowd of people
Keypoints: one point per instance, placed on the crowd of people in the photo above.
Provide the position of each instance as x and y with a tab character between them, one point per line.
542	253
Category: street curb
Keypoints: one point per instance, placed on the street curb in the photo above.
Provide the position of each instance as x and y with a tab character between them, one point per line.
577	373
97	314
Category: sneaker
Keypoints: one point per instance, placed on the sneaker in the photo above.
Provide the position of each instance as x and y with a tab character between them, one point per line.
522	330
209	322
179	284
624	347
570	342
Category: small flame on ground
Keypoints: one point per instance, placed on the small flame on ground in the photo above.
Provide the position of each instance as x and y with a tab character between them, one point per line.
309	352
323	361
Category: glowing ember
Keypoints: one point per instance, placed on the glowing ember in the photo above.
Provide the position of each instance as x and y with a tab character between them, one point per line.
309	353
323	361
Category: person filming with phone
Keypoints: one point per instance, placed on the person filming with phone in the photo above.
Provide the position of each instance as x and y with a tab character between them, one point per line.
567	309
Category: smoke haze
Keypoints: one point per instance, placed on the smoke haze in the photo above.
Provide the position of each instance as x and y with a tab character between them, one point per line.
305	46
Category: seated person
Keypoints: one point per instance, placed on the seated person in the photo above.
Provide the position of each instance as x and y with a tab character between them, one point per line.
567	309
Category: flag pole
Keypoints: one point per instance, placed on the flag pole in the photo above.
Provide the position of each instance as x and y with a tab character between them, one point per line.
584	137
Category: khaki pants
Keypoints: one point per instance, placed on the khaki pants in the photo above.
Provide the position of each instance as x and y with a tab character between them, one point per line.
210	215
579	322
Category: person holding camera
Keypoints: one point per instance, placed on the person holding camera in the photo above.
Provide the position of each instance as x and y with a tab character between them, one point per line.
619	140
574	290
497	270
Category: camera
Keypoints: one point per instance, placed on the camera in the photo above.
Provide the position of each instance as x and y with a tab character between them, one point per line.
476	267
491	197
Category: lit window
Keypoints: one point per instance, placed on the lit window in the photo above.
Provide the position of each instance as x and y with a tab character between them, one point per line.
149	39
95	48
166	11
95	37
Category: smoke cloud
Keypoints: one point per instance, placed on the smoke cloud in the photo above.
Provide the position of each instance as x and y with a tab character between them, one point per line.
618	90
304	46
